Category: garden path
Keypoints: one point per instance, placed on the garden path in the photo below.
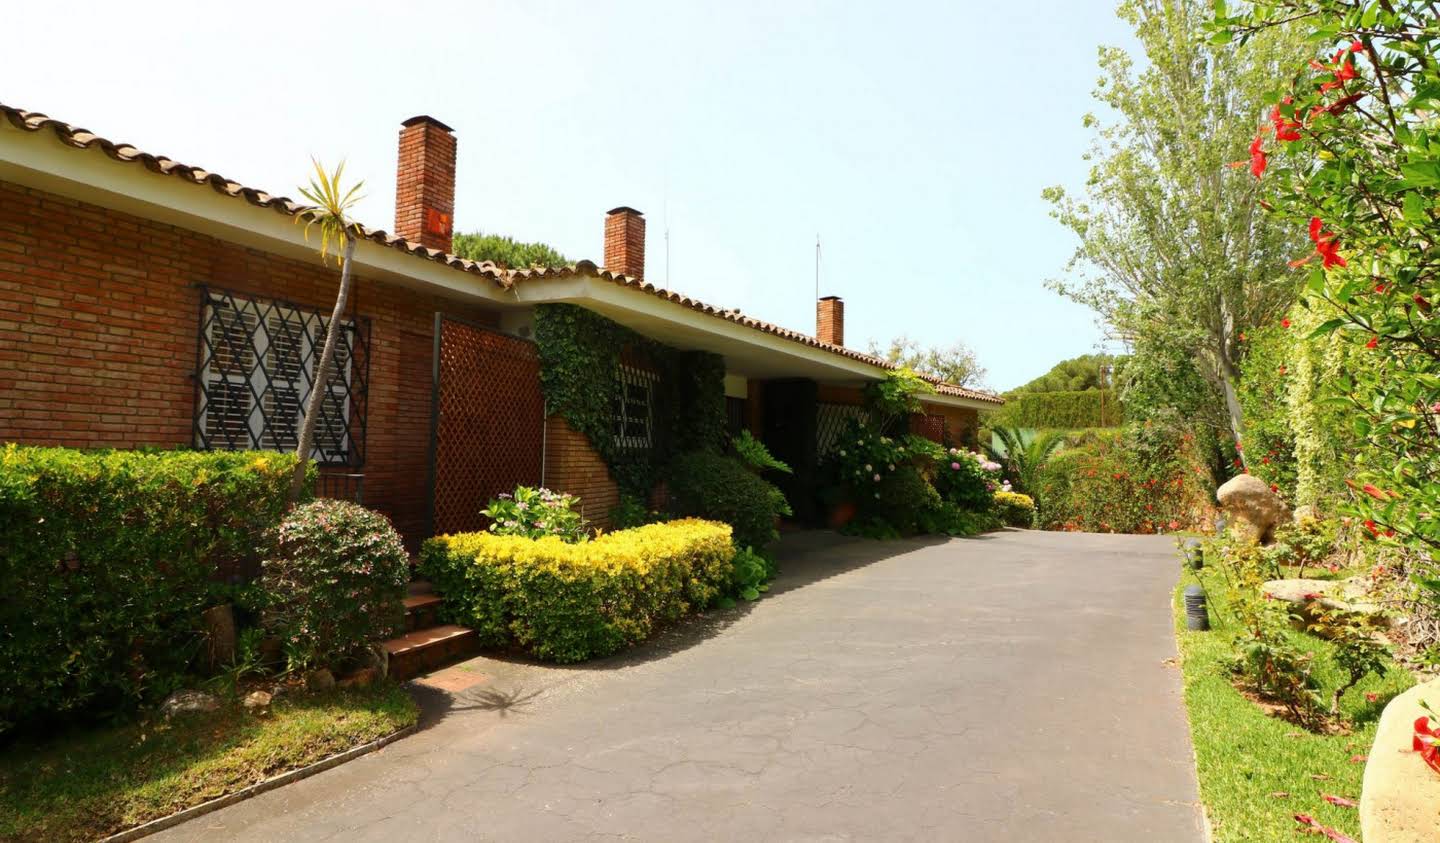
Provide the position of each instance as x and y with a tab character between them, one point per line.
1014	686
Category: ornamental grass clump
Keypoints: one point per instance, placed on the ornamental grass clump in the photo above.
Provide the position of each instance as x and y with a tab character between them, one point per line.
334	582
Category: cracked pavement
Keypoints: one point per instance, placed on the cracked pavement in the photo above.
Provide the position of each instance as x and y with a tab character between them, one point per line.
1013	686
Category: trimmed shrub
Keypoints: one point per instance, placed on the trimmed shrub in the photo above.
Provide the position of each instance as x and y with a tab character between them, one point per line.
1060	410
905	497
107	562
951	520
719	488
335	581
572	602
1015	509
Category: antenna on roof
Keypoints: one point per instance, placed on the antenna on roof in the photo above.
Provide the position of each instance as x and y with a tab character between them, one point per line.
817	267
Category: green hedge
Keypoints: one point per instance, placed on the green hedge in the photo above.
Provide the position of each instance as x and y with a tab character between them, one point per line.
572	602
1060	410
108	561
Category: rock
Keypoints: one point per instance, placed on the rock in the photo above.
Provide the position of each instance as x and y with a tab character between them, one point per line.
188	702
219	625
258	699
1311	597
319	680
1400	799
1252	509
361	678
379	660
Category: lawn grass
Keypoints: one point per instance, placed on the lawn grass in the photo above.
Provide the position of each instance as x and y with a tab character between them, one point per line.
85	784
1246	757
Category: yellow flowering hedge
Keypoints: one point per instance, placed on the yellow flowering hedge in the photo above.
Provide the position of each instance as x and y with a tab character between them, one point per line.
572	602
1015	509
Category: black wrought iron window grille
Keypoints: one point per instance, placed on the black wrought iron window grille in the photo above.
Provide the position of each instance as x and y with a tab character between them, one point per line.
634	408
256	366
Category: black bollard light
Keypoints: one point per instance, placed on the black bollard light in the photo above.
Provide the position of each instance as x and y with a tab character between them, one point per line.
1196	618
1194	551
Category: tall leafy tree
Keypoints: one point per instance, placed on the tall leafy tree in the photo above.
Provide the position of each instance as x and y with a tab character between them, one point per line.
506	251
331	216
1174	253
955	363
1088	371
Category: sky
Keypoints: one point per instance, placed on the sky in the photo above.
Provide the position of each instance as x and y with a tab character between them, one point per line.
913	138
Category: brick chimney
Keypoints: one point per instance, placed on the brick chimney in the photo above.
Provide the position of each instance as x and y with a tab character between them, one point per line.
830	320
425	183
625	242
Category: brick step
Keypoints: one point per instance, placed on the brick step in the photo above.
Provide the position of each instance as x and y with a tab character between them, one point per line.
417	587
421	611
426	649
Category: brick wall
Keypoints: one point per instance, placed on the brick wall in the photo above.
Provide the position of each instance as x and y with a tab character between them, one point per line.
625	242
425	183
572	465
830	320
98	323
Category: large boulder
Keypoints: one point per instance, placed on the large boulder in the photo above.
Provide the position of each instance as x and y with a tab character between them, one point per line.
1400	798
1252	509
188	702
1310	598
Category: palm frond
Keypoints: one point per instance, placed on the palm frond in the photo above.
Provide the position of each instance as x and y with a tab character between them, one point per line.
331	208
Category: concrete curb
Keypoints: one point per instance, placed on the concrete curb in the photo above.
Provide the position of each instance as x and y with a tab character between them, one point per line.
241	795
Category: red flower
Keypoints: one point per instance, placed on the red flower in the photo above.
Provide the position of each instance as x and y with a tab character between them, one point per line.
1346	72
1274	488
1316	65
1380	288
1284	323
1315	226
1343	103
1427	742
1326	245
1285	128
1371	526
1357	46
1374	342
1374	492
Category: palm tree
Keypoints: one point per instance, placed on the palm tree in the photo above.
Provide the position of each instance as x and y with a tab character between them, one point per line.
330	214
1023	459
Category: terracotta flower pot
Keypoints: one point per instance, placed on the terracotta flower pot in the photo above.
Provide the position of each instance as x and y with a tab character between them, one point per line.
841	514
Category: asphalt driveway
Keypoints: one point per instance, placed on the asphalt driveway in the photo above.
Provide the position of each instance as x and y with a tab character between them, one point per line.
1009	687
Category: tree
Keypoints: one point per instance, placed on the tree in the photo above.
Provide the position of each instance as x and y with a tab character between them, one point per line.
954	363
332	204
506	251
1174	253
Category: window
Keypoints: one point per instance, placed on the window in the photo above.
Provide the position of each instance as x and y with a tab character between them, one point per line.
633	408
256	368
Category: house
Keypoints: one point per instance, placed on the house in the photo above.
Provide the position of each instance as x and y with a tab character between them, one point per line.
145	302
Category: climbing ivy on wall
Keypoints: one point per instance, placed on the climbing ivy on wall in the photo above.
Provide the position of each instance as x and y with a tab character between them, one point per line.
580	353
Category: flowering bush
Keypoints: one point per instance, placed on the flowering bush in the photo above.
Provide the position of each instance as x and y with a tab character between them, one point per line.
334	581
1143	479
533	513
862	458
968	479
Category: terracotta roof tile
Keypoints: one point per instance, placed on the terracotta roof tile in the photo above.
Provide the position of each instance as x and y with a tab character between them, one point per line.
79	138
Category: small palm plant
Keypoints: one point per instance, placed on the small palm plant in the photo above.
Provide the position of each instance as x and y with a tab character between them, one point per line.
331	215
1024	458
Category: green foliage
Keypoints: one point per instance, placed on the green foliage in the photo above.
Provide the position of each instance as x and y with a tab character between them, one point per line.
1075	375
720	488
1022	457
533	513
1264	385
905	497
572	602
895	397
1363	179
631	511
1309	543
1015	509
753	453
335	580
968	480
506	251
1060	410
955	363
1173	256
951	520
750	574
1144	478
107	559
579	366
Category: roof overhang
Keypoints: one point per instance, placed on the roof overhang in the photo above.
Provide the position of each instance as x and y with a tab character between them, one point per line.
38	160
